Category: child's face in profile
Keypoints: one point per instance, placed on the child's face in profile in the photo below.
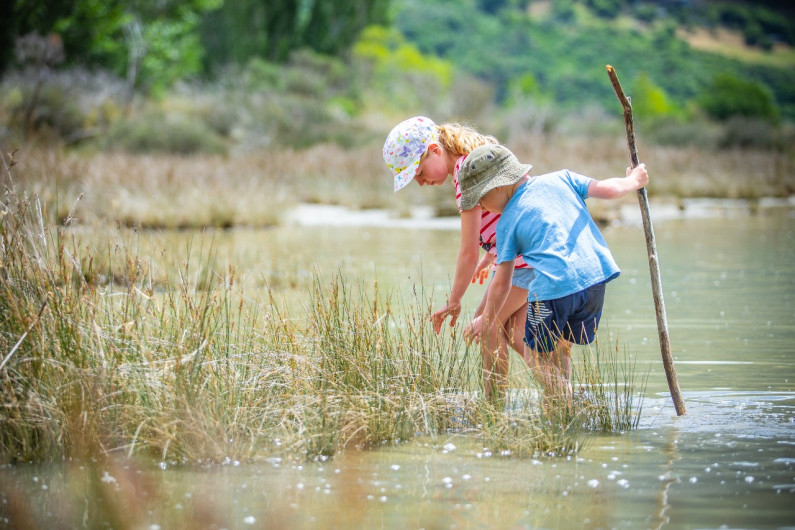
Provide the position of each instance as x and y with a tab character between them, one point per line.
432	170
494	200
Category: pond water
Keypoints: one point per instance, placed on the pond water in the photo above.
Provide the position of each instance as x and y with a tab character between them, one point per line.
729	288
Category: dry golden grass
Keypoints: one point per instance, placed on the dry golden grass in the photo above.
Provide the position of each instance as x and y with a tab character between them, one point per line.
731	43
256	189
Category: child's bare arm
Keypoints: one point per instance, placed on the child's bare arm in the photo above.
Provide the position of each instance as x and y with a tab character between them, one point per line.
618	187
465	266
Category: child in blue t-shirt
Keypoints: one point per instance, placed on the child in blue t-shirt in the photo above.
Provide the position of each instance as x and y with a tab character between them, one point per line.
544	219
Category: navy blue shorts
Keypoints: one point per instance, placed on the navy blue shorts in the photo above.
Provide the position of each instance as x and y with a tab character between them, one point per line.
574	318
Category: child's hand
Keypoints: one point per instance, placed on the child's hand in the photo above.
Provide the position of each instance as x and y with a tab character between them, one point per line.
482	269
473	330
480	276
639	176
453	310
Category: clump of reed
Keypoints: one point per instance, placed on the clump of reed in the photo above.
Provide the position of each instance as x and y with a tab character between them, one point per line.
104	352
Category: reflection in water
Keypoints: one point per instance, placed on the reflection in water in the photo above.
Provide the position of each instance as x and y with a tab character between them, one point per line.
671	451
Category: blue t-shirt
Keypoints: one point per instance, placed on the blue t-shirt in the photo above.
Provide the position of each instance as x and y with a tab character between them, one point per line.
546	221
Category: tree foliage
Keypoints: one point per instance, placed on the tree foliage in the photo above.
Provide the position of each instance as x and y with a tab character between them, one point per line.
156	42
566	54
241	29
728	96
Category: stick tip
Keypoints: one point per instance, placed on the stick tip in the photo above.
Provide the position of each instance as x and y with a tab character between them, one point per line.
609	68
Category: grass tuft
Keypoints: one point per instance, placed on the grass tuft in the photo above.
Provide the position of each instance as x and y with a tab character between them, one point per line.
105	352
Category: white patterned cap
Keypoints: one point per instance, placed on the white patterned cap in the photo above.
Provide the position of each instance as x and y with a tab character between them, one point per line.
405	146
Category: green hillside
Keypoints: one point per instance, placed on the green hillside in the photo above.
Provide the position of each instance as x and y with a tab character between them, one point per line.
557	50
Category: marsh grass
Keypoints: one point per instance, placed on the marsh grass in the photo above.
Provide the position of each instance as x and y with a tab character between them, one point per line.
105	352
259	188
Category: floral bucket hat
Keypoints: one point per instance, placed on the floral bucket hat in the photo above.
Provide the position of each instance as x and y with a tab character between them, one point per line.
405	146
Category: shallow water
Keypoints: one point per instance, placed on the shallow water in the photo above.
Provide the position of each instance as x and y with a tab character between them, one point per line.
729	288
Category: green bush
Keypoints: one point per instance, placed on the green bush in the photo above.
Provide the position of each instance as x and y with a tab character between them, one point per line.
66	105
740	131
154	132
680	133
728	96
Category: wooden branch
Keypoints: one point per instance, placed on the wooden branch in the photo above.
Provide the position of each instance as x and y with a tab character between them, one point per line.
651	247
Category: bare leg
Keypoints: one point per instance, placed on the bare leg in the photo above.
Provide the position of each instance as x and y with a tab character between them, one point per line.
553	370
494	343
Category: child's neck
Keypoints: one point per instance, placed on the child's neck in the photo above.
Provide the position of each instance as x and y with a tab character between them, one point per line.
516	186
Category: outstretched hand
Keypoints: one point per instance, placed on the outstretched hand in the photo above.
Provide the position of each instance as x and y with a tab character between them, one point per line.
480	276
483	267
473	330
451	310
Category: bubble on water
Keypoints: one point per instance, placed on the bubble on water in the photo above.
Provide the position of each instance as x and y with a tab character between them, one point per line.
394	467
382	498
593	483
624	483
107	478
154	527
466	477
447	480
693	480
249	519
448	447
300	485
163	465
749	479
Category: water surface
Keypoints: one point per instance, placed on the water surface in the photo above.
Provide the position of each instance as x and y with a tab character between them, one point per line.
729	283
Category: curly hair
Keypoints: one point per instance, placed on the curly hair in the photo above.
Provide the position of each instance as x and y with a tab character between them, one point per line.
462	139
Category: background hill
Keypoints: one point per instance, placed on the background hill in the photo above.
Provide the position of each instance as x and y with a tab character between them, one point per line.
222	76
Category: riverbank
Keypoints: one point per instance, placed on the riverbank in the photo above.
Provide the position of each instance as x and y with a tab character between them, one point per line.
627	213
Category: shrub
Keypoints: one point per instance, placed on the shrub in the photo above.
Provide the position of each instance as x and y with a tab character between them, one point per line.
155	132
739	131
67	105
729	95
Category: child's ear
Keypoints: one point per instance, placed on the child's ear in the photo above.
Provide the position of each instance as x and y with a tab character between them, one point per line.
435	149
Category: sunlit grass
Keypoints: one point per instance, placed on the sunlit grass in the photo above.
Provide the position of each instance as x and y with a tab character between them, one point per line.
107	352
731	43
259	189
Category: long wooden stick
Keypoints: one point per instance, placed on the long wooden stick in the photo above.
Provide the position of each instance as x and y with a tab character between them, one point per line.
651	247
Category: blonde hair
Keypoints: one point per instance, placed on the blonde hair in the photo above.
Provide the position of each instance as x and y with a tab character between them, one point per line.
462	139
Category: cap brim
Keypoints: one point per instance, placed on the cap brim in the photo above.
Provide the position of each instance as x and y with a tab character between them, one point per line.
405	177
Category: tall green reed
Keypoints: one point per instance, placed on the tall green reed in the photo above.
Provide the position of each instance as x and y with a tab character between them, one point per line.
106	351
